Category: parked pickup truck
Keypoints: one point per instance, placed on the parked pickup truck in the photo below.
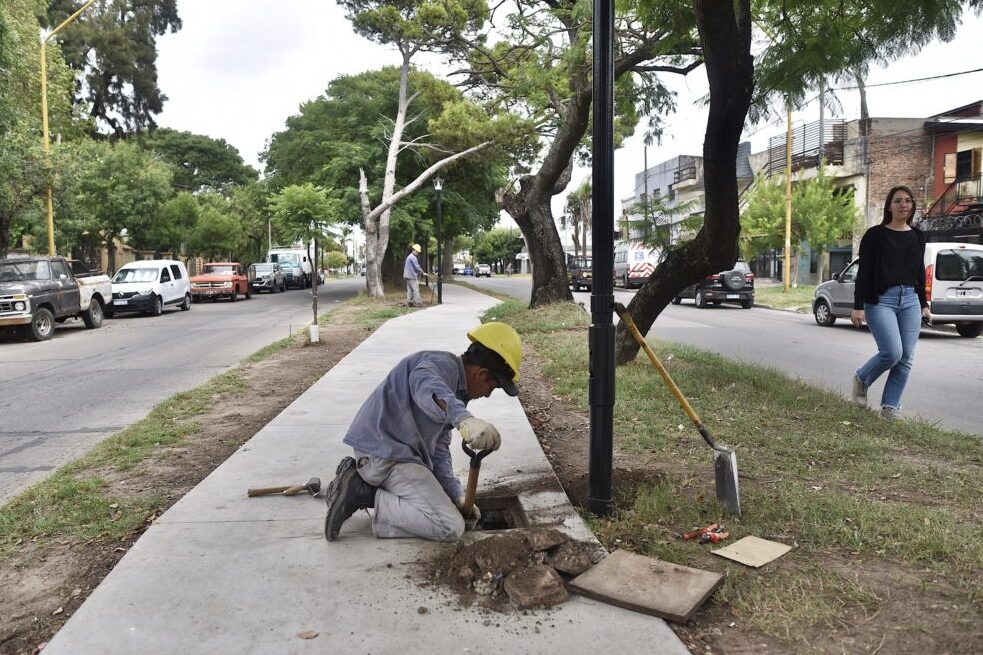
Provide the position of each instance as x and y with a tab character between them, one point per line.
37	292
221	280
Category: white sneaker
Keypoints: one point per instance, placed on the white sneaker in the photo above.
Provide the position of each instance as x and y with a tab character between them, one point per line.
859	392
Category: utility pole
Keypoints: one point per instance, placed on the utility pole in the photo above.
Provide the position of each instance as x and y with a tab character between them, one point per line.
822	123
788	193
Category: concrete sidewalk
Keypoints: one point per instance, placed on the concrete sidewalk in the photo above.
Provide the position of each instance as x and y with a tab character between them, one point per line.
222	573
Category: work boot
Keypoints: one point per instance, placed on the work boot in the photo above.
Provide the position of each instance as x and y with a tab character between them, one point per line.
347	494
859	392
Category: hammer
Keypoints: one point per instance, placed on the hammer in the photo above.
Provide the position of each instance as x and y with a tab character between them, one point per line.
313	487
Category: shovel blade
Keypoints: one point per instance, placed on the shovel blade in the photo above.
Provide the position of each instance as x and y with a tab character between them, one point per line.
725	475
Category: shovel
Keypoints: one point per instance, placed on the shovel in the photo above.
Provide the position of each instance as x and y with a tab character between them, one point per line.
724	458
473	469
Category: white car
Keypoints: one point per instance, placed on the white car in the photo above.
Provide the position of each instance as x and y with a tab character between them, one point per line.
482	270
150	285
953	288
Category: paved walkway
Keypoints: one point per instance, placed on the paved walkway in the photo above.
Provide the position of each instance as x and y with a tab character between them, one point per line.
222	573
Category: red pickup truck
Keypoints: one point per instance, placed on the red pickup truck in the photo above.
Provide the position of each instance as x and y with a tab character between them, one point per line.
219	280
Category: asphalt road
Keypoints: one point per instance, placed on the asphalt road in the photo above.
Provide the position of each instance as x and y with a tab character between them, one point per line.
60	397
946	383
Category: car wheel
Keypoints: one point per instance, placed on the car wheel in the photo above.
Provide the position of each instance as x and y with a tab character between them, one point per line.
677	300
43	325
186	305
235	294
93	315
823	314
158	307
700	299
969	330
747	303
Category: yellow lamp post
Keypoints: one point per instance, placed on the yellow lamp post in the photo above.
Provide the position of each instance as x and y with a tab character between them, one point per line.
44	114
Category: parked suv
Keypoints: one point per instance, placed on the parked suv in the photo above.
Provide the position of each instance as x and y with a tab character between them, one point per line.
149	285
953	288
735	285
579	273
482	270
268	277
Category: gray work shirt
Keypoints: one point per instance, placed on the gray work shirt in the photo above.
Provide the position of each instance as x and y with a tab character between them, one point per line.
401	421
411	268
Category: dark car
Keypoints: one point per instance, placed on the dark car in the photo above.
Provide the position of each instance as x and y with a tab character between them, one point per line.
579	273
267	276
735	285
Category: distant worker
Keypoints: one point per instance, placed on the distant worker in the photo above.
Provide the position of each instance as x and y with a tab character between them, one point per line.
402	435
508	270
411	273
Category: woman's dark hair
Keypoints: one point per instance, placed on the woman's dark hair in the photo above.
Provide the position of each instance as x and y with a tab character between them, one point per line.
890	199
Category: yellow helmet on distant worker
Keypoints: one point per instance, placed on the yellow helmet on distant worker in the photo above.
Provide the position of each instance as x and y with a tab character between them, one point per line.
502	339
416	247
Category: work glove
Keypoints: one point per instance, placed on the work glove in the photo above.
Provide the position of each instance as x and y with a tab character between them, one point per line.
471	518
480	435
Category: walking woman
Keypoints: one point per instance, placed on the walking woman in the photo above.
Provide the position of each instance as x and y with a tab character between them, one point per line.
890	297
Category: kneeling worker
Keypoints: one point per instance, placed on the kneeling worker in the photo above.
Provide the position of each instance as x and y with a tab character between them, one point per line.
402	435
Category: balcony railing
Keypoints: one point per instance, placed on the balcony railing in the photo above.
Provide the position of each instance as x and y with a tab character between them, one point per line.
960	196
805	146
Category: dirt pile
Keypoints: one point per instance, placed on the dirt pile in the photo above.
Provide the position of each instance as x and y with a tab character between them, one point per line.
516	569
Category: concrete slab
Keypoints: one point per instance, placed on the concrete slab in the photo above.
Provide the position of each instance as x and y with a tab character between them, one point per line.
223	573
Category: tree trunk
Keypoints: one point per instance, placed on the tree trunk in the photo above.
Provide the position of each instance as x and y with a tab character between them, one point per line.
725	34
5	221
111	254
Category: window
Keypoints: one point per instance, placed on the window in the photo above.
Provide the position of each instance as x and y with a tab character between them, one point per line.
958	265
165	276
176	270
850	274
59	269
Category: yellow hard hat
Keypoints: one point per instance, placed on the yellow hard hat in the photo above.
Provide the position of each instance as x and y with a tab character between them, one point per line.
416	247
502	339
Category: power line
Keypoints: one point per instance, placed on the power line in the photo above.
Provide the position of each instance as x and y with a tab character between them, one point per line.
916	79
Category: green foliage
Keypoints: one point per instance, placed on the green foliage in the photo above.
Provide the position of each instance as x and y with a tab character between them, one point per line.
661	225
337	134
499	245
122	187
811	43
200	162
217	233
415	26
112	46
303	210
821	214
335	259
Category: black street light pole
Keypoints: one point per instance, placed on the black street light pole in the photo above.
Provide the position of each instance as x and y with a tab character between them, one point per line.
438	184
601	335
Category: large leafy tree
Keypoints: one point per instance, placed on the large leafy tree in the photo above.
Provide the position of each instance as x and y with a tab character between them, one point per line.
122	191
821	214
200	162
413	27
23	169
498	246
540	67
345	132
113	49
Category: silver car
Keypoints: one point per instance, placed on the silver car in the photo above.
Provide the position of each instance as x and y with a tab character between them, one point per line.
834	299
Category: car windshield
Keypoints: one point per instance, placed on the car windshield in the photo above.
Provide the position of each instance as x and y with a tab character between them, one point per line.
22	271
263	268
220	270
130	275
959	265
286	259
580	262
742	267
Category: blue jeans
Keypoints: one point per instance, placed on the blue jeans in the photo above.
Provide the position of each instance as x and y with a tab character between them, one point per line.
895	322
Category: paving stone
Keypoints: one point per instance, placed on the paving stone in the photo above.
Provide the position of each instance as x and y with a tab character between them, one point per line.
544	538
536	586
571	559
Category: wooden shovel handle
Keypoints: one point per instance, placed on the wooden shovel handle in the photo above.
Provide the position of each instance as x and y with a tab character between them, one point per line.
472	489
263	491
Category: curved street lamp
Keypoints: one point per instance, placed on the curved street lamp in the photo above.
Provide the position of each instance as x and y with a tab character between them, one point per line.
438	184
44	115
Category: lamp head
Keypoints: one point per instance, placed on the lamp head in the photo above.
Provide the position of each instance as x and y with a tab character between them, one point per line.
438	183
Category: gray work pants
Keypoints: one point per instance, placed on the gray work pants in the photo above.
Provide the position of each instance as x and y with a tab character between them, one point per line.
413	292
410	501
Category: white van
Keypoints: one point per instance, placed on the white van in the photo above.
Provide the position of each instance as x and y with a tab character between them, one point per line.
634	263
148	286
953	288
297	270
954	285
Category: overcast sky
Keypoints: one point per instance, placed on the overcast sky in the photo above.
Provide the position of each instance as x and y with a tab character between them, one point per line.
239	68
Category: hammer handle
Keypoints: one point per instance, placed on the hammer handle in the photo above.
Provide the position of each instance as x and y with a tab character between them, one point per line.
294	490
263	491
471	490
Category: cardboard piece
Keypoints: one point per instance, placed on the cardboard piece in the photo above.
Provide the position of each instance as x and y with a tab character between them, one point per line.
647	585
753	551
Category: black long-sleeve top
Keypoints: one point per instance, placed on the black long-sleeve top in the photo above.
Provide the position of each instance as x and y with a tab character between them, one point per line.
890	258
